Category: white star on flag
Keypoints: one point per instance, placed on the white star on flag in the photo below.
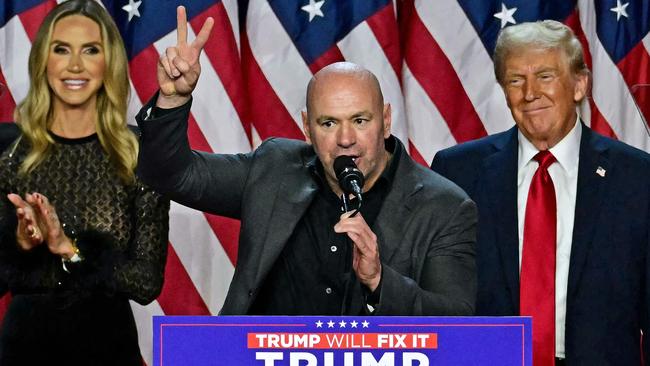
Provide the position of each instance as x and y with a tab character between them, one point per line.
330	324
365	324
319	324
132	8
506	15
620	10
353	324
313	8
342	324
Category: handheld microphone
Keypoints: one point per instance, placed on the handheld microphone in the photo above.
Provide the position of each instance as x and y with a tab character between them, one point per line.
349	176
350	179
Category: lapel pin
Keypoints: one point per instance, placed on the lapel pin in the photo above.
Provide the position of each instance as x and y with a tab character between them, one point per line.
601	171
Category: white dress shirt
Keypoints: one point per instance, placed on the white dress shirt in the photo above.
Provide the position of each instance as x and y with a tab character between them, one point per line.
564	173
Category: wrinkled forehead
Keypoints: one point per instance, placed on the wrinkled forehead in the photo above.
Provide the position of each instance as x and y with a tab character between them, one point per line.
537	54
534	62
324	85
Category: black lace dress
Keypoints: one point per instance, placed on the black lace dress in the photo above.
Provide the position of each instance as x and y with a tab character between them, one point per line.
82	315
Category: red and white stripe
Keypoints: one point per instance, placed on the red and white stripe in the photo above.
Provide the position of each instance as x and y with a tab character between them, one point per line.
610	92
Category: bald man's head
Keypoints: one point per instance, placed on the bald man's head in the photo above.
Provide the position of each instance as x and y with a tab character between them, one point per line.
339	71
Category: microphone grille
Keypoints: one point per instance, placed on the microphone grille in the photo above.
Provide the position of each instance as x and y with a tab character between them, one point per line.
342	162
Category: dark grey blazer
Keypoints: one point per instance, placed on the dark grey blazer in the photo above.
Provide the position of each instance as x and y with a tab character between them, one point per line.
425	229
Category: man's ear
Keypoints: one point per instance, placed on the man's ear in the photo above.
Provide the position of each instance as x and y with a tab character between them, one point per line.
388	120
581	86
305	126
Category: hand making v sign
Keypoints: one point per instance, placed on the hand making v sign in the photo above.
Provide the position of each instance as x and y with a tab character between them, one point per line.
178	66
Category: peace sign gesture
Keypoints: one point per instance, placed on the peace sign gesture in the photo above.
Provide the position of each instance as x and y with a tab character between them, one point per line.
179	67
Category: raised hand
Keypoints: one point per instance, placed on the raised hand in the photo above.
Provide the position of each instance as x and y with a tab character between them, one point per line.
28	232
365	252
179	67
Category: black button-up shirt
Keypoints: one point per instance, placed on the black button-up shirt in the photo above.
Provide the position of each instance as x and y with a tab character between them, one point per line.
315	266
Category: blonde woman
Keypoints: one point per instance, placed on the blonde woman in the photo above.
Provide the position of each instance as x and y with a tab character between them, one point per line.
81	235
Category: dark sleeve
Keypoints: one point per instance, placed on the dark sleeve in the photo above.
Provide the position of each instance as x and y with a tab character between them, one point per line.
18	268
438	164
3	276
7	222
447	282
138	272
9	132
204	181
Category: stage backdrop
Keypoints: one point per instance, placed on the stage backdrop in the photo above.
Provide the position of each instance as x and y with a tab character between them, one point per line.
432	57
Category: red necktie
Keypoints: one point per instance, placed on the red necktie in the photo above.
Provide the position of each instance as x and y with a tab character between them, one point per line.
537	281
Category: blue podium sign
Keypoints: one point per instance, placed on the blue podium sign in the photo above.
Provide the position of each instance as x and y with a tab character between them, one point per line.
341	341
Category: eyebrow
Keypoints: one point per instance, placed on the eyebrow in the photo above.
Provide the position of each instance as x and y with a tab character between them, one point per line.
367	114
326	118
362	114
546	69
62	43
541	70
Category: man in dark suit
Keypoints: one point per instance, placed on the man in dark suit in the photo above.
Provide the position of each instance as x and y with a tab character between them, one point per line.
597	265
410	250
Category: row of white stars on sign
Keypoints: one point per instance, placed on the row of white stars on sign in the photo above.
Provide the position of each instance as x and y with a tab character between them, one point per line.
342	324
507	15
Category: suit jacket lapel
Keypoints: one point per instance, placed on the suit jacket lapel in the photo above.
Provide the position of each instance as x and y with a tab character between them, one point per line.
590	191
499	189
394	213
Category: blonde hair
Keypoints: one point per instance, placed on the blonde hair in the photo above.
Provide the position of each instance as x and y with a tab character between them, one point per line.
546	34
34	113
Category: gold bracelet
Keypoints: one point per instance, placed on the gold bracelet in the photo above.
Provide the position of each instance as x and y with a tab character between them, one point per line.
76	257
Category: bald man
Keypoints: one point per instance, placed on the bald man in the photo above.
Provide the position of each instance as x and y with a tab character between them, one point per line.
409	251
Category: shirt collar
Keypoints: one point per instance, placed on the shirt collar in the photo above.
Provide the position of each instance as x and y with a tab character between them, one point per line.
566	152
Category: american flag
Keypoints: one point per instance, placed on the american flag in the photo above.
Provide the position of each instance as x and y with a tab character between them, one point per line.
432	57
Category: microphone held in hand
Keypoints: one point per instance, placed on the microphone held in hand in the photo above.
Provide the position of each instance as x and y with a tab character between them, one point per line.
350	180
349	176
